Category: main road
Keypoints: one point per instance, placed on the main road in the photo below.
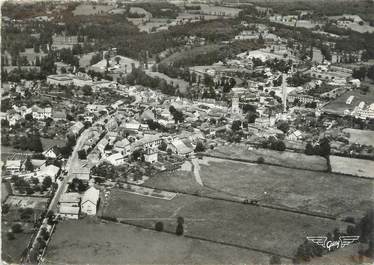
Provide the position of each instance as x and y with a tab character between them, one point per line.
72	165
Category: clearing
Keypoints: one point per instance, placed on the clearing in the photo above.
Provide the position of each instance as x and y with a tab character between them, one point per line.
285	158
221	221
89	242
352	166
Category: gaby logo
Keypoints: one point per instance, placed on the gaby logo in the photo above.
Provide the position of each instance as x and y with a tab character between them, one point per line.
328	244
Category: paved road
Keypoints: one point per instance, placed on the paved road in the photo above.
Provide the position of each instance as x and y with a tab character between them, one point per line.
72	165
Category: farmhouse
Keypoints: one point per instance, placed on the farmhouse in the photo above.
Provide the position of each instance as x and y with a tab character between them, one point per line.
53	152
90	200
178	147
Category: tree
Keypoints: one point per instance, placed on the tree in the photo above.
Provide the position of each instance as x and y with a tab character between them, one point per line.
117	59
163	146
87	90
199	147
82	154
47	182
159	226
260	160
359	73
28	165
236	125
370	72
309	149
324	147
283	126
179	231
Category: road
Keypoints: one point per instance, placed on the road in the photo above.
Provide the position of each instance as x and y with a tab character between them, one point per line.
72	165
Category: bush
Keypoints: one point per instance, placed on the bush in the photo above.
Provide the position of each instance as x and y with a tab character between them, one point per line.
17	228
260	160
10	236
159	227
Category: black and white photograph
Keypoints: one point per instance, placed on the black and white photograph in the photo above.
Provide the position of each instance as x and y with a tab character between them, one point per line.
187	132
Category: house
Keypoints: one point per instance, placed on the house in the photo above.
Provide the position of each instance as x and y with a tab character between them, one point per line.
122	146
59	115
116	159
82	173
148	141
151	156
295	135
53	152
90	200
13	166
13	117
71	199
179	148
41	113
49	171
76	129
102	145
69	212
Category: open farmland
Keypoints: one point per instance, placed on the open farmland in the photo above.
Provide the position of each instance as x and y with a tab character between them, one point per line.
288	159
364	137
297	189
221	221
85	242
352	166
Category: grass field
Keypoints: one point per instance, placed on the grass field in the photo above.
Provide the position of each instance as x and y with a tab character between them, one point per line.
221	221
352	166
191	53
88	242
297	189
183	85
304	190
364	137
12	250
289	159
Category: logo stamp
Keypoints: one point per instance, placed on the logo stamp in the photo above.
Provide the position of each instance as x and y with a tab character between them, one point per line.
328	244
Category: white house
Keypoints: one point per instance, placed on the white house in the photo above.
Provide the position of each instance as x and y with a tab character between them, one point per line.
13	166
116	159
53	152
122	146
69	212
178	147
89	201
41	113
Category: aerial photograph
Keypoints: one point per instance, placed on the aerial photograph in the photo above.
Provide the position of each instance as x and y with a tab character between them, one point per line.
183	132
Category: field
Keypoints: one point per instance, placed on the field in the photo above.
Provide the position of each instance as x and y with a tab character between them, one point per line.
88	242
221	221
352	166
183	85
289	159
304	190
297	189
12	250
191	53
363	137
338	106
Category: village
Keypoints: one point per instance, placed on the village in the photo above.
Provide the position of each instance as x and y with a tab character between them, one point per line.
239	112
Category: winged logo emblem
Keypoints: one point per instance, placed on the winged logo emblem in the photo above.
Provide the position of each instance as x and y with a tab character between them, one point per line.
341	243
